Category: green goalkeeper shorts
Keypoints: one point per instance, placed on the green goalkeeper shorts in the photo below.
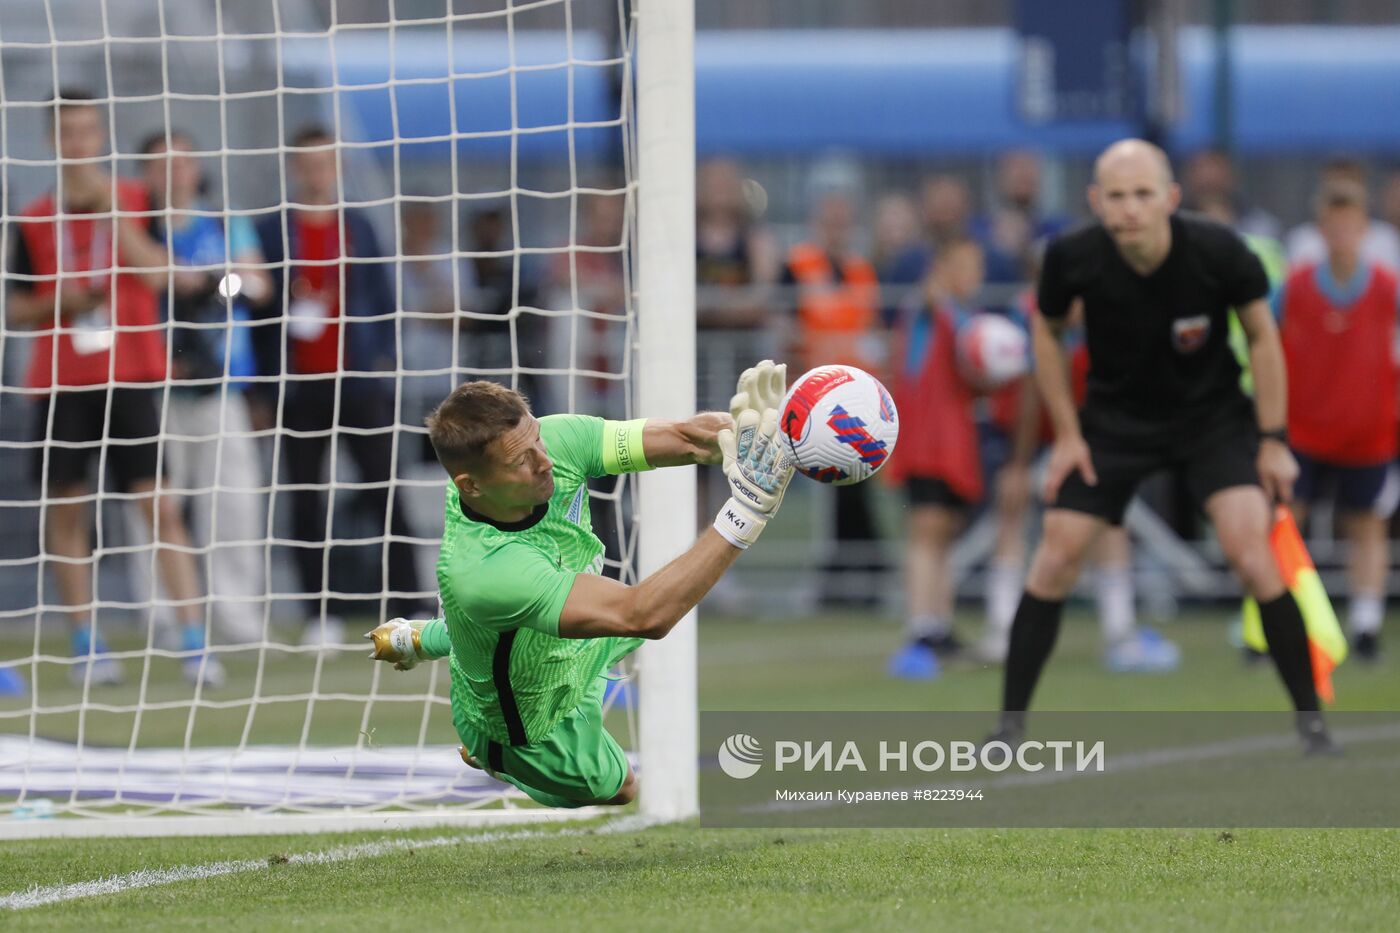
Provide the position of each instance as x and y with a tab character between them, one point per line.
578	763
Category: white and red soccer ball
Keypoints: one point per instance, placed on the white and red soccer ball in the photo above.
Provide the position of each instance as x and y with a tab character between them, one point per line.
840	424
992	351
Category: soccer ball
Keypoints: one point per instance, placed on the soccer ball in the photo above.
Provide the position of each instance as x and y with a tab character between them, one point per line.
992	351
840	423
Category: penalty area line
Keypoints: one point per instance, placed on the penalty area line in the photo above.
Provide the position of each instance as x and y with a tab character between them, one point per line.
155	877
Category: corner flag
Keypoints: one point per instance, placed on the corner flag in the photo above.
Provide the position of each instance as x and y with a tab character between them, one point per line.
1326	643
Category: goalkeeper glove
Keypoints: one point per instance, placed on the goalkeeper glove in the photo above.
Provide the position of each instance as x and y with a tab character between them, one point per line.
760	388
399	641
758	470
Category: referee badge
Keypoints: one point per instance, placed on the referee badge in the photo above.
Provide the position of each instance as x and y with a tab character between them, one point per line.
1189	333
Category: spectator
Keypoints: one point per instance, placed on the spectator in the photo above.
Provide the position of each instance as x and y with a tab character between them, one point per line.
589	277
1380	244
428	299
736	268
895	229
1210	175
896	237
1271	254
1337	323
211	455
945	208
1269	250
837	317
939	463
427	282
496	281
99	372
736	259
1390	199
1011	231
837	292
339	340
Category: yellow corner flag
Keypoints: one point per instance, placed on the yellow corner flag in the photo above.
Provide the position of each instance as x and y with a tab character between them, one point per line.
1326	643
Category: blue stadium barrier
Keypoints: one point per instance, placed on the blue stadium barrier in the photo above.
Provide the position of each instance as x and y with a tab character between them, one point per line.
912	93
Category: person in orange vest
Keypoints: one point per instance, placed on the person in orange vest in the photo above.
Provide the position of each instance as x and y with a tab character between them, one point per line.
837	293
836	310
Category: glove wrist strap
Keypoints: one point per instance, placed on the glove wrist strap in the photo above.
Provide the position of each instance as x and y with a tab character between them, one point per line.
739	525
404	638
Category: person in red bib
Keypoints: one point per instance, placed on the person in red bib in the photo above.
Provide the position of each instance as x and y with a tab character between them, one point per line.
330	344
1337	321
83	276
938	460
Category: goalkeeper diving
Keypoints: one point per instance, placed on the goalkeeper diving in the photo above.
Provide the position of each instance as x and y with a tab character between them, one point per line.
529	625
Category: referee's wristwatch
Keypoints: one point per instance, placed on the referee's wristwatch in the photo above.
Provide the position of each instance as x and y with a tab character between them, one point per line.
1277	434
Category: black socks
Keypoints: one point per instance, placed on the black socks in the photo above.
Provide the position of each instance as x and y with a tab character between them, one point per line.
1288	646
1037	625
1033	633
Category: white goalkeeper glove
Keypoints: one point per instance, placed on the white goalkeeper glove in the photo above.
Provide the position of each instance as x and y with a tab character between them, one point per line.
760	388
758	470
399	641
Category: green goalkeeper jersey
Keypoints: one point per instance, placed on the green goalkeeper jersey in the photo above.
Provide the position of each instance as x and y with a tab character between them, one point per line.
503	586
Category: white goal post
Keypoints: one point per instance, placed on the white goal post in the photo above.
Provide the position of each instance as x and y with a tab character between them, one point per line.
535	112
666	384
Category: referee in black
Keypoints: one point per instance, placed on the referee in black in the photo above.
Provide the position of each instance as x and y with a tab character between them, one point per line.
1164	393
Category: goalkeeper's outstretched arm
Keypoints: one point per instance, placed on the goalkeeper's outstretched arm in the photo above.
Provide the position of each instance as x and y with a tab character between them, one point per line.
758	472
682	443
748	443
696	440
599	606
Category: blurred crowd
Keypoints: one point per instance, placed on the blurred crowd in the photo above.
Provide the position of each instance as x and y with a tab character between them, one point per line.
200	361
214	369
889	286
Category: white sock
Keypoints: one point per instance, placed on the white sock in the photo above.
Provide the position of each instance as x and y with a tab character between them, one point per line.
1364	612
1004	583
931	625
1113	594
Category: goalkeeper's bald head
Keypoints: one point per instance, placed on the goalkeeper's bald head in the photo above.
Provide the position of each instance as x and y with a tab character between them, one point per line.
472	416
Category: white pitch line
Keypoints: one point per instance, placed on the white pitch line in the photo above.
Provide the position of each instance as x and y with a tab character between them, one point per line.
149	878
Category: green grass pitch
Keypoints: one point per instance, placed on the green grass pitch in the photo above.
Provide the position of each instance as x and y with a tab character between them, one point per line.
682	877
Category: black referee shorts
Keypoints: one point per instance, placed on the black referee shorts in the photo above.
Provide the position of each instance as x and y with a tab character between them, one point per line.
1216	454
83	425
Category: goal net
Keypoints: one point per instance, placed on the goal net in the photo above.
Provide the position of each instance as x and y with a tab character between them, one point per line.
247	247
